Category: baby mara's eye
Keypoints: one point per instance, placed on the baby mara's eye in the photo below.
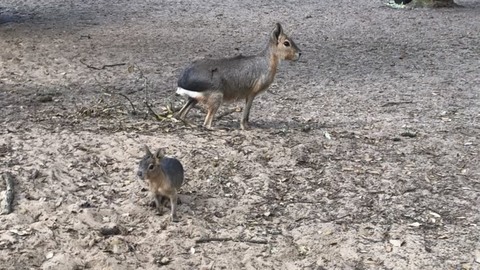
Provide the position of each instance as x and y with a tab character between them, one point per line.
150	167
286	43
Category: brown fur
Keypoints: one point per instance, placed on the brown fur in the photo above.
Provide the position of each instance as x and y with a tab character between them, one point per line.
160	183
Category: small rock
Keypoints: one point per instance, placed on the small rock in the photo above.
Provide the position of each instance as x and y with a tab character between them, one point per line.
45	99
303	250
110	230
408	134
306	128
7	237
162	261
396	242
85	204
59	202
49	255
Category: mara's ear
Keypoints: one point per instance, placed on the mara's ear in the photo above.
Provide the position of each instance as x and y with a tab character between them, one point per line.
147	151
277	32
160	153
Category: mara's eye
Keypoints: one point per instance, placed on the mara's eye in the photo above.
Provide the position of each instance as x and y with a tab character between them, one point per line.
150	167
286	43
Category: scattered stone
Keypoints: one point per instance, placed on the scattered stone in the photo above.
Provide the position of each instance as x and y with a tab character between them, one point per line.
110	230
306	128
408	134
162	261
45	99
477	256
49	255
396	242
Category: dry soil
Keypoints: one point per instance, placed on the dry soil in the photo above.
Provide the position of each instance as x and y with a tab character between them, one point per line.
363	155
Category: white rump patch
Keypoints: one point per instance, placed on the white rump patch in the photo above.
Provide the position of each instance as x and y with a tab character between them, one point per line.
188	93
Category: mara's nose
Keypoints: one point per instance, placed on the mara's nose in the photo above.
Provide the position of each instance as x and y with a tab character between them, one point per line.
139	174
298	55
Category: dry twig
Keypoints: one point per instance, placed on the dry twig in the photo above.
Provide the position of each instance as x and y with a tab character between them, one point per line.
102	67
131	103
157	116
225	239
238	109
7	204
393	103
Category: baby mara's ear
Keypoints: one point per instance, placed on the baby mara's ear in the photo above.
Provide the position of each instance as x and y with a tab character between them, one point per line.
160	153
147	151
277	31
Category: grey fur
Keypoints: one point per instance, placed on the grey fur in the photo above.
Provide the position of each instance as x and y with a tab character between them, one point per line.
174	170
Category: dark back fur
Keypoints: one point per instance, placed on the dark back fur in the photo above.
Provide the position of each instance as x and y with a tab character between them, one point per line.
233	76
239	76
173	169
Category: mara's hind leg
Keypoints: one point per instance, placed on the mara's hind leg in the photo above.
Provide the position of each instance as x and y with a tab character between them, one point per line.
213	103
173	206
186	108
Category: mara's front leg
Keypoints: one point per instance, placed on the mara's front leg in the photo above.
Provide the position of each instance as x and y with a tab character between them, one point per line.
246	112
159	203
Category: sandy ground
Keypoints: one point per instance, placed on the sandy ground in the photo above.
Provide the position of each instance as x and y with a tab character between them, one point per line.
363	155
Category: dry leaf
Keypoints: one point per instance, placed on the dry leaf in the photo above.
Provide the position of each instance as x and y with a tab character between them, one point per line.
303	250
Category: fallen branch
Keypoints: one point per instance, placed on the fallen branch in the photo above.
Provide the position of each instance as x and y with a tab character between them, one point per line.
7	204
166	116
393	103
102	67
131	103
399	4
225	239
157	116
238	109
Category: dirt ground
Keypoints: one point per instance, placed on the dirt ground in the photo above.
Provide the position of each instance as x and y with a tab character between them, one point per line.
363	155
